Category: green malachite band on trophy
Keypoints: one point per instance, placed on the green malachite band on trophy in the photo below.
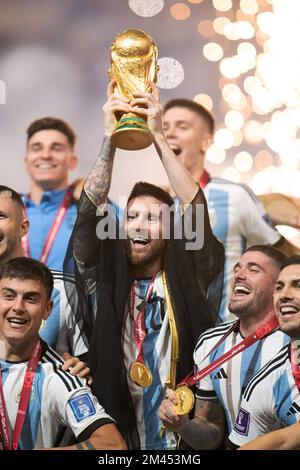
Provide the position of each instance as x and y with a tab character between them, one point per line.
130	119
132	126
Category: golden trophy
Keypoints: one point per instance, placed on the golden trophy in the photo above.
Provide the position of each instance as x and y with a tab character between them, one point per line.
133	57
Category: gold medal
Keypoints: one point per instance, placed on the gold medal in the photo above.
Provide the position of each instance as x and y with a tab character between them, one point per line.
185	400
140	374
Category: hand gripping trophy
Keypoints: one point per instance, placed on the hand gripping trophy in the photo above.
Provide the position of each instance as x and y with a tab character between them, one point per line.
133	65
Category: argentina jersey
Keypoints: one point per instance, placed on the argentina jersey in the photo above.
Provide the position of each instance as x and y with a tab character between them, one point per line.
238	220
60	330
58	399
228	382
271	400
156	352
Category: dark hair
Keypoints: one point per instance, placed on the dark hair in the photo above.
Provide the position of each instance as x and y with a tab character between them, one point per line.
295	259
28	268
52	123
13	194
147	189
271	252
195	107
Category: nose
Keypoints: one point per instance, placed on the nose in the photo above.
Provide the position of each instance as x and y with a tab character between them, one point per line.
239	274
18	305
286	295
169	131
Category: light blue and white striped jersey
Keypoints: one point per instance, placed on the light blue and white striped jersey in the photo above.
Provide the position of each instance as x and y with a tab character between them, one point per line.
57	399
60	330
228	382
271	401
238	220
157	354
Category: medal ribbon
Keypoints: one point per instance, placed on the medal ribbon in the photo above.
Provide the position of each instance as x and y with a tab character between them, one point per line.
139	325
259	333
205	178
23	403
295	366
59	217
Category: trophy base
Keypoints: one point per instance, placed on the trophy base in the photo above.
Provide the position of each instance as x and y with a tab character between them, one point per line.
132	133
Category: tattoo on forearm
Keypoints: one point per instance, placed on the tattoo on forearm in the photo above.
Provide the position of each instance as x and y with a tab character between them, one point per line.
85	445
98	182
202	433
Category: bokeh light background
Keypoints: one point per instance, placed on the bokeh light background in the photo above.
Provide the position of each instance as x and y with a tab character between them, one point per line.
239	58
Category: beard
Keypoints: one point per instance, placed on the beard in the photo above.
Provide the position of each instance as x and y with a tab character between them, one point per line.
253	306
145	260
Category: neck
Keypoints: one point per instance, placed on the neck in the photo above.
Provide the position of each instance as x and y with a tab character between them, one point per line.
14	352
197	170
250	324
37	189
147	271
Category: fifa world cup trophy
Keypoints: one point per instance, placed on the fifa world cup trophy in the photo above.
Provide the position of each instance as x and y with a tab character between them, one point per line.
133	57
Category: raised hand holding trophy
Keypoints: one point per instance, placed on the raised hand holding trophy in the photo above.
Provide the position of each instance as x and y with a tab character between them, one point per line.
133	65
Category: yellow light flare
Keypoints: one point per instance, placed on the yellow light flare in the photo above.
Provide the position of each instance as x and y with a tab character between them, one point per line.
244	30
240	16
241	105
263	181
230	31
222	5
223	138
231	93
253	131
231	174
215	154
234	120
180	11
263	159
196	1
205	28
243	161
237	138
230	68
249	7
219	24
250	83
266	22
246	48
213	51
204	100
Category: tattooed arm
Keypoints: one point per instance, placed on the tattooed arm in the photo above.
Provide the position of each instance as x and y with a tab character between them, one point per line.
97	184
107	437
205	431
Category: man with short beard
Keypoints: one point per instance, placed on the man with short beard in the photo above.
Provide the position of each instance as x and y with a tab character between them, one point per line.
143	299
60	330
251	301
272	398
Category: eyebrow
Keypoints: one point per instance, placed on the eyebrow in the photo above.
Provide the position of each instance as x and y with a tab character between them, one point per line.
248	265
26	294
37	144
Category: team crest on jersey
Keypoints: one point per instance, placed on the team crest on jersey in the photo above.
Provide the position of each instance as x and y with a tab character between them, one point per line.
82	407
242	422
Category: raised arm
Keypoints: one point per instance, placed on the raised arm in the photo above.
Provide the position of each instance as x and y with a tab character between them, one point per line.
179	177
205	431
97	184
